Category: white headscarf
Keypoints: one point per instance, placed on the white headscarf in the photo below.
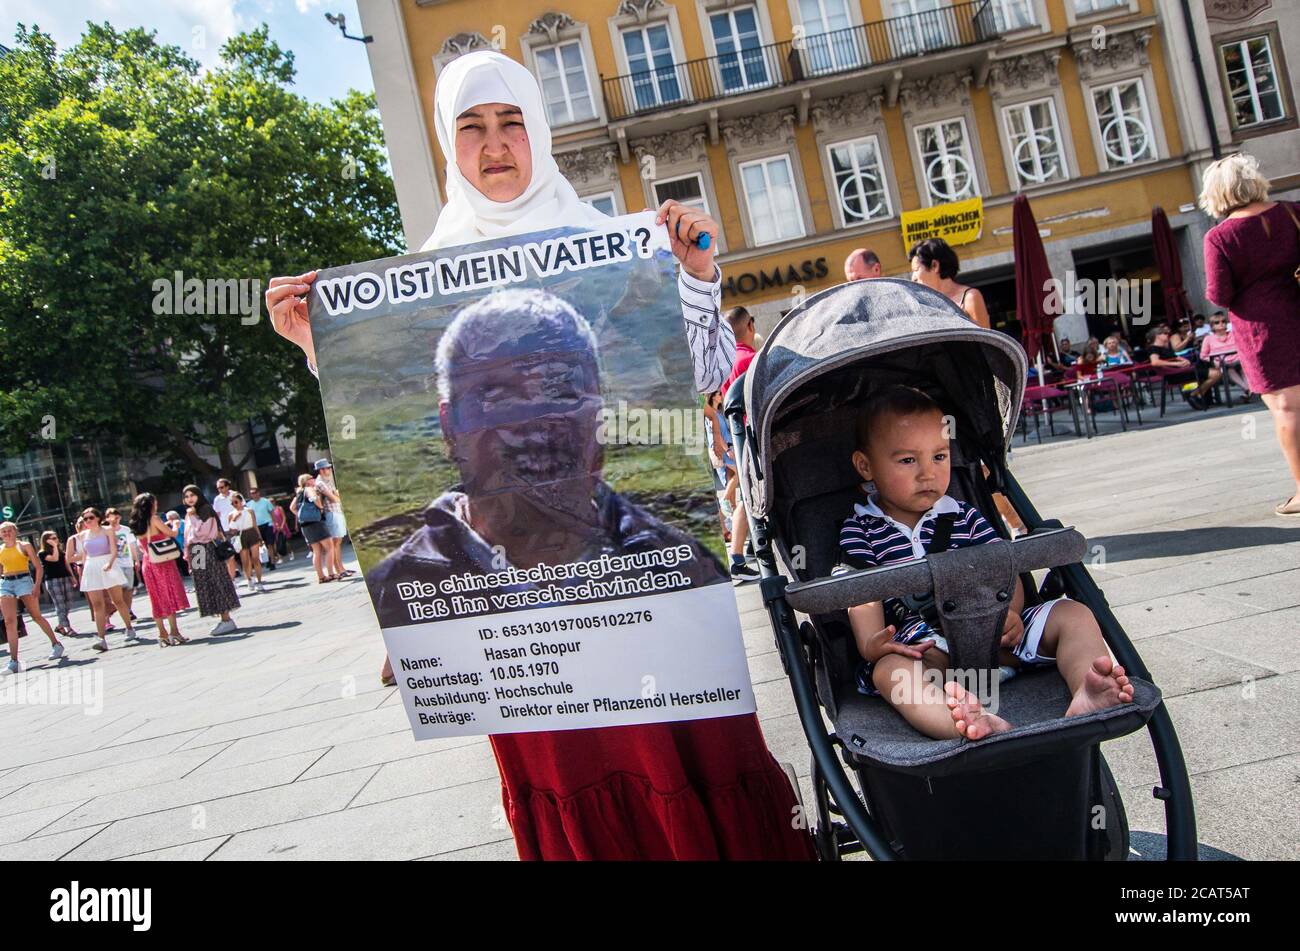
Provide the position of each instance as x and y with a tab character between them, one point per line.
549	201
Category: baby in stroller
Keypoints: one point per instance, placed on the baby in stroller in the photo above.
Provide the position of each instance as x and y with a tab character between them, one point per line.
902	439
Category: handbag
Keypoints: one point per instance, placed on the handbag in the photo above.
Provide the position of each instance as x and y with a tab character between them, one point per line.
309	512
163	550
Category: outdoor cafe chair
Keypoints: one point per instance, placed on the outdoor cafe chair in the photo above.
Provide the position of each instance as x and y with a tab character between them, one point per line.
1047	400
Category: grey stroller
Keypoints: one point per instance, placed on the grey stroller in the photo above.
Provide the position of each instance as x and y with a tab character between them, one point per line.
915	797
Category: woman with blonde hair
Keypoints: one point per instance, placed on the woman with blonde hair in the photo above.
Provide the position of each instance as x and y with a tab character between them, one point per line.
1252	268
309	509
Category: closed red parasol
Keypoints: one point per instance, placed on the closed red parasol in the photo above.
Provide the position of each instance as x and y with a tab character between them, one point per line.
1032	277
1171	268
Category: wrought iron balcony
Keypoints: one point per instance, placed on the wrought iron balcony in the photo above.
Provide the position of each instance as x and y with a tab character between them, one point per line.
672	85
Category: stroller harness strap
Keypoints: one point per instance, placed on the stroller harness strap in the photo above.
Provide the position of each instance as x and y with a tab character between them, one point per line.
973	589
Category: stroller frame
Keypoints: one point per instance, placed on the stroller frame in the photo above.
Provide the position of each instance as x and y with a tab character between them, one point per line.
834	793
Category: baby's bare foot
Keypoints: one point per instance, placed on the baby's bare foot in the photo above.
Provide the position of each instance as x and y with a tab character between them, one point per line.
969	715
1103	686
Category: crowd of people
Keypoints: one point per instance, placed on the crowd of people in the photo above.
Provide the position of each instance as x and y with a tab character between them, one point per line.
215	542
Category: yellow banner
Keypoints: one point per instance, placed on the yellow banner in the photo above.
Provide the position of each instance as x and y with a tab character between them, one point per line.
958	222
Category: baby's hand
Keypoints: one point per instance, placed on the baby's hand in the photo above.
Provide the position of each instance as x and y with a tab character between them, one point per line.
884	643
1013	631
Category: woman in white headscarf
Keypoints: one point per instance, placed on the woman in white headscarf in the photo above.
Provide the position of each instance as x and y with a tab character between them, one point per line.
502	180
701	789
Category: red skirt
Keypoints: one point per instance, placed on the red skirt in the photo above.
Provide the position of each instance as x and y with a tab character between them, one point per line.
696	790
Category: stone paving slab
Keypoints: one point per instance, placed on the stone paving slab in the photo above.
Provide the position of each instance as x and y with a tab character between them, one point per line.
279	742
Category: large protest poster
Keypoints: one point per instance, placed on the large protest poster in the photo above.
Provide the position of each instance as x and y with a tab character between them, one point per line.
521	454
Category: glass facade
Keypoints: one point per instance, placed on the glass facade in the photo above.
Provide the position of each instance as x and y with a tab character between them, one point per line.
45	487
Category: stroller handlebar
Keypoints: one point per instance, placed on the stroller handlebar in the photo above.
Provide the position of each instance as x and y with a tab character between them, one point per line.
1049	548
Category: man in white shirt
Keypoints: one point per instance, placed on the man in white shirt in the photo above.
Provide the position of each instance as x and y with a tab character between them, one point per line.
222	505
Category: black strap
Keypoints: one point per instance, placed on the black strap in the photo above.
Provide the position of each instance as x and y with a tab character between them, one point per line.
943	526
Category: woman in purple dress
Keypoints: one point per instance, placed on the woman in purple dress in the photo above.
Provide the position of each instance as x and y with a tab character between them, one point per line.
1252	268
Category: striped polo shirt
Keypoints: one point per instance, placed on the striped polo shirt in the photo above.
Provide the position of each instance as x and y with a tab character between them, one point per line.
870	538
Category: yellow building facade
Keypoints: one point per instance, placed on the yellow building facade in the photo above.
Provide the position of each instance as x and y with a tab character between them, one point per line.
807	127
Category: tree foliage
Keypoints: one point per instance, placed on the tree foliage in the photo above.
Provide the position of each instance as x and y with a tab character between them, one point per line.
122	163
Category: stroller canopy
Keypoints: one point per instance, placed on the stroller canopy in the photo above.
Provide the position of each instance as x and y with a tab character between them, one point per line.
908	332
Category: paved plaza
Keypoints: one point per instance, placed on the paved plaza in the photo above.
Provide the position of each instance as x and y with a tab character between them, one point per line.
279	742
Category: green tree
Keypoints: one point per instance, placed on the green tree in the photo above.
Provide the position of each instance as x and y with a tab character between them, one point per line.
122	164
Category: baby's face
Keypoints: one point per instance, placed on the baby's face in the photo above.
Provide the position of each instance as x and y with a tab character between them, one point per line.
908	459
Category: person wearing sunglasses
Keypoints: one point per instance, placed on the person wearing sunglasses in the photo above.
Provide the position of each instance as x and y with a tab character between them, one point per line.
1219	344
102	580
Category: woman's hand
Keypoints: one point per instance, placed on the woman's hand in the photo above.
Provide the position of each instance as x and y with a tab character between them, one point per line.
685	224
286	302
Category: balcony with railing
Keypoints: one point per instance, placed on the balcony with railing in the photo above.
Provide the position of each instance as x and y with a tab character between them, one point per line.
790	62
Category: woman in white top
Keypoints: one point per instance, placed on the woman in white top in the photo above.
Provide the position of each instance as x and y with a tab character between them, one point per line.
241	519
102	580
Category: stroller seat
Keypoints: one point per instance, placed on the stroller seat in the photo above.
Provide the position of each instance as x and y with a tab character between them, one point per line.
824	485
875	733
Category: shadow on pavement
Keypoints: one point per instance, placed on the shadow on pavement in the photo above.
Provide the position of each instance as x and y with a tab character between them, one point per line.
1153	847
1192	541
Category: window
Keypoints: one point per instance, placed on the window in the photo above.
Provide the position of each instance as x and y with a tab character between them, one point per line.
650	61
774	213
603	201
1251	81
859	180
1083	7
1011	15
740	55
946	163
921	25
564	83
688	189
1035	142
1123	123
830	42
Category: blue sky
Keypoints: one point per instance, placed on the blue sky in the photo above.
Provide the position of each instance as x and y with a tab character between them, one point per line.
328	65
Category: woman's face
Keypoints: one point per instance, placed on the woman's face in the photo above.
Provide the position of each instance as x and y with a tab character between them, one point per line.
929	276
9	535
492	150
191	499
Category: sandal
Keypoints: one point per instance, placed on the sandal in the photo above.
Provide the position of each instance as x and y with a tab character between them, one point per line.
178	639
1290	508
163	642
